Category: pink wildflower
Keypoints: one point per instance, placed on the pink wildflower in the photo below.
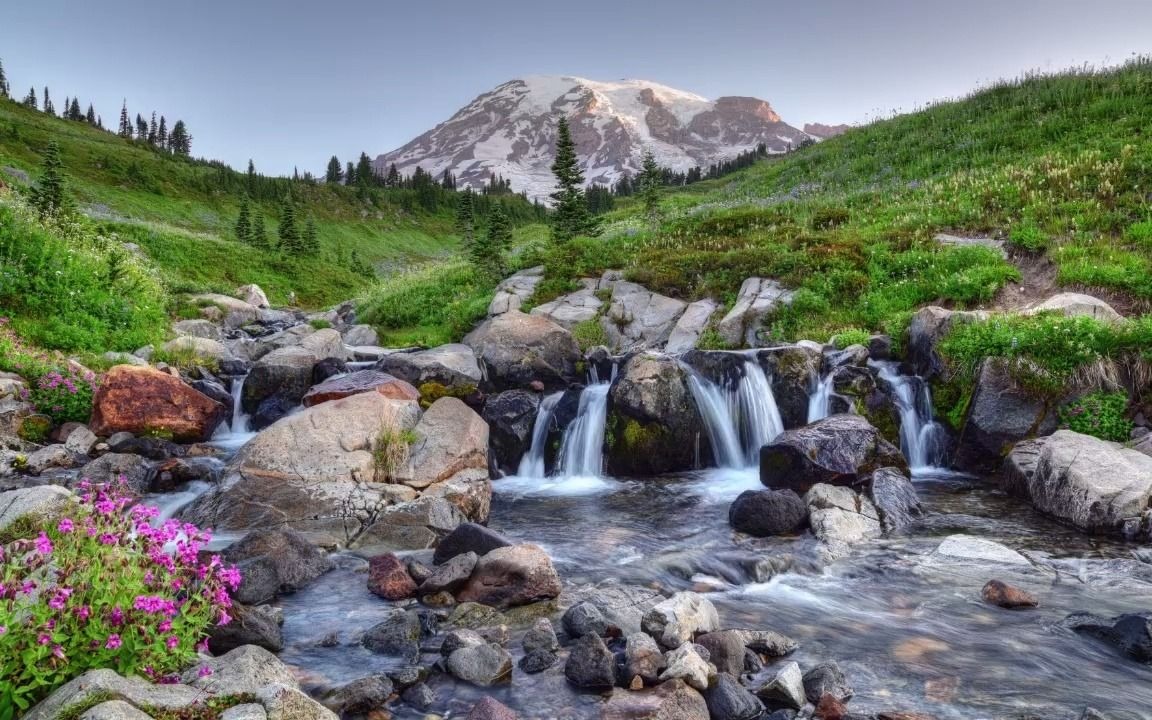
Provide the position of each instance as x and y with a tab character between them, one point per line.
43	544
66	525
113	642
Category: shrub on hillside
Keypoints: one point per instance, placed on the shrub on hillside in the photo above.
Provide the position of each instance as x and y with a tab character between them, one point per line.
1100	414
432	305
64	396
1027	236
60	615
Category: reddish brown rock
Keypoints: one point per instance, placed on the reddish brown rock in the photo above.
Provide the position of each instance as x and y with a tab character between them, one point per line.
1006	596
491	709
146	401
361	382
389	578
829	708
511	576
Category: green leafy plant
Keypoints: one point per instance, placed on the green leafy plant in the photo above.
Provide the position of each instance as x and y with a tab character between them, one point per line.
60	616
319	323
64	396
1100	415
589	333
850	336
1028	236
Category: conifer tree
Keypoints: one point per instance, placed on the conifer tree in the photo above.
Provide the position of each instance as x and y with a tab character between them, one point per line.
365	175
350	174
49	108
125	130
334	173
309	241
30	99
49	195
466	220
393	179
489	254
649	186
67	114
90	116
180	142
258	235
4	90
571	217
288	232
141	127
244	222
74	111
162	134
152	130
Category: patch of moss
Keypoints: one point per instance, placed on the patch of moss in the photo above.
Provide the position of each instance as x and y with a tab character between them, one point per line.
23	527
34	428
430	392
206	709
950	401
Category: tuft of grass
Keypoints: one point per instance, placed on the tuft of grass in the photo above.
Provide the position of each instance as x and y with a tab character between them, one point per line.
391	449
589	334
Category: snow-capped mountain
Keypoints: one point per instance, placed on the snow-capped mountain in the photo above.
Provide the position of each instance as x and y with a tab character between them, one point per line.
510	132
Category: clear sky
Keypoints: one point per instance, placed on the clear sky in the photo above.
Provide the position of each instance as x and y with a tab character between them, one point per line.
290	83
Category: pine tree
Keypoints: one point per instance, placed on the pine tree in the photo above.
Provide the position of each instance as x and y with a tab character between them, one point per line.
334	173
496	243
309	241
30	99
125	130
49	108
244	223
90	116
141	127
466	220
4	91
162	134
259	234
571	217
365	175
49	195
393	179
152	130
288	232
67	114
350	174
180	142
74	110
649	186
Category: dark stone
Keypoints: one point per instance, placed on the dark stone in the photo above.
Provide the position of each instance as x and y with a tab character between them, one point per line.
398	636
491	709
451	575
1000	414
468	537
641	658
271	409
135	471
894	496
583	618
149	447
728	700
826	679
510	417
829	707
761	513
839	450
259	581
460	638
1006	596
326	368
419	571
406	677
541	636
591	664
484	665
538	661
725	650
389	578
295	561
361	696
880	347
419	696
1131	634
212	387
249	626
171	474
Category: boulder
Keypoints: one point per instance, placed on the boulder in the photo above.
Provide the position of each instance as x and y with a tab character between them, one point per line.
245	669
826	679
413	525
103	684
727	699
325	343
654	425
270	411
453	366
143	401
488	708
591	664
361	696
451	442
397	635
483	665
294	562
894	496
758	297
792	371
785	689
1000	414
388	577
583	618
113	467
203	349
957	552
623	606
928	327
312	471
199	329
511	415
570	310
253	295
840	449
691	325
418	696
469	537
514	291
49	457
1072	304
686	663
541	636
286	372
640	318
451	576
642	658
515	350
839	516
115	710
360	382
511	576
1093	484
34	506
284	702
359	335
249	626
761	513
672	700
1130	634
681	617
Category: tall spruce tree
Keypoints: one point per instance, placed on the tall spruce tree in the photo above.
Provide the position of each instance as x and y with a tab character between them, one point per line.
309	241
365	175
393	179
466	220
179	141
30	99
141	127
649	185
350	174
244	222
74	111
125	130
90	116
152	128
5	91
334	173
288	232
258	236
49	196
162	134
49	108
571	217
497	240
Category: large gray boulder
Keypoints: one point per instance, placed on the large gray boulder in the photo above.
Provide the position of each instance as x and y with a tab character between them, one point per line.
453	366
654	425
325	343
672	700
286	372
758	297
1000	414
359	335
640	318
198	328
841	518
514	291
1072	304
570	310
680	618
451	441
511	415
793	369
35	506
691	325
516	350
839	450
1095	485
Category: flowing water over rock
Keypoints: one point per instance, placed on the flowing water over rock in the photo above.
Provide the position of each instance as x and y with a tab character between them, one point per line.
922	440
820	402
232	437
739	414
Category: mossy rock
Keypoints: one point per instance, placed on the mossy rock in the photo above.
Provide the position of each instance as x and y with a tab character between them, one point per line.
34	428
430	392
637	448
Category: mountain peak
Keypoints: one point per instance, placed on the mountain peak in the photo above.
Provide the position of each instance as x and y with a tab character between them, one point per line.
510	131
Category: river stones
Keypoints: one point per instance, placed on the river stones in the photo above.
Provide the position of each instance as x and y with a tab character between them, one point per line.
452	366
250	626
511	416
838	450
516	350
761	513
826	679
583	618
285	372
1001	594
450	576
360	696
681	617
398	635
672	700
1131	634
388	578
643	659
361	381
451	442
469	537
133	470
1000	414
511	576
687	664
785	690
488	708
895	498
590	663
484	665
143	400
284	562
727	699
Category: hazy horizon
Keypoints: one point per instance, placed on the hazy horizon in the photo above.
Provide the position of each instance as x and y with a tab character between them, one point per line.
290	86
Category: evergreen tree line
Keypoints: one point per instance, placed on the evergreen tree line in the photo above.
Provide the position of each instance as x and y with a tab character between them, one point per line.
291	239
487	248
628	186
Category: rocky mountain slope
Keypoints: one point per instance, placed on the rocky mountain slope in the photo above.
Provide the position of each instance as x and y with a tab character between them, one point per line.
510	131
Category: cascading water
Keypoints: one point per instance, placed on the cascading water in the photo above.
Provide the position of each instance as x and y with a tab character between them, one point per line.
236	433
922	440
532	464
740	417
582	450
820	401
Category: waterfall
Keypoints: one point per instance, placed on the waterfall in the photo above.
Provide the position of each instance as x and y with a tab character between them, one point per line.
922	440
532	464
582	450
820	401
239	417
740	417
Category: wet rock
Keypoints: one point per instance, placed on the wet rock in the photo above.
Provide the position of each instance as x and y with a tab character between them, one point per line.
761	513
758	297
80	441
510	417
470	492
928	327
327	369
638	317
895	498
39	505
541	636
413	525
728	700
114	466
974	556
793	369
826	679
514	290
283	702
691	325
642	658
286	372
295	562
785	690
360	696
538	661
451	576
1000	414
460	638
1007	596
469	537
516	349
830	707
686	663
623	606
451	442
147	447
838	450
388	577
1095	485
591	664
725	650
1131	634
681	617
398	635
419	571
359	382
243	670
511	576
250	626
853	357
654	422
489	708
95	685
483	665
143	400
419	696
271	410
840	516
880	347
672	700
453	366
583	618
